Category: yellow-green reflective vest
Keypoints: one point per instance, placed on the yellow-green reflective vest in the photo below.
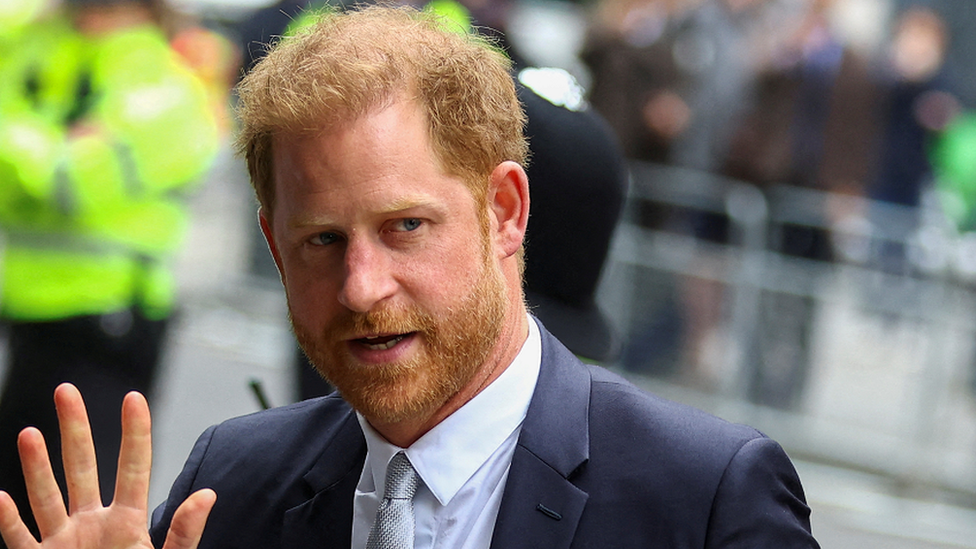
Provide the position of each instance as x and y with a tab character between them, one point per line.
451	12
17	14
99	139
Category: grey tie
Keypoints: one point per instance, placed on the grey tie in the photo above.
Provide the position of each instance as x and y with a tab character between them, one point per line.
394	525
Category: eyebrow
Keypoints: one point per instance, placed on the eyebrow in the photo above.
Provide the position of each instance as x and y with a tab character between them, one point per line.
407	203
398	205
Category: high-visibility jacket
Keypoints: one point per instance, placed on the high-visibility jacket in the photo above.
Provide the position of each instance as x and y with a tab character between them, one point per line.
17	14
451	12
99	141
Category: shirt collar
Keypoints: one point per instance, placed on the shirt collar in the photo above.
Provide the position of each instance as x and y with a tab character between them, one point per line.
450	453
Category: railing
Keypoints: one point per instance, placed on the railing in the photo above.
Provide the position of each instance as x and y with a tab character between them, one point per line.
842	327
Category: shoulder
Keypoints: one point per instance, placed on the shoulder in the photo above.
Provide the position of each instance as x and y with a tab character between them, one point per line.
680	470
627	426
280	429
620	411
615	407
259	465
612	394
698	471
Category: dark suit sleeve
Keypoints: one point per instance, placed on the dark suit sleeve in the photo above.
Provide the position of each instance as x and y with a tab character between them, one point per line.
182	488
759	502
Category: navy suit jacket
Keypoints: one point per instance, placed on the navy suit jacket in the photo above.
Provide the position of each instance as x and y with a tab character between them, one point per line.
599	464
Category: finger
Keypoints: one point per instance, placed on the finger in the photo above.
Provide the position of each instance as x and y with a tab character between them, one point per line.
42	490
13	530
135	456
190	519
77	449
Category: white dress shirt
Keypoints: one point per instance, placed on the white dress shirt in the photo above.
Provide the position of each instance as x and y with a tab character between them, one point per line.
463	462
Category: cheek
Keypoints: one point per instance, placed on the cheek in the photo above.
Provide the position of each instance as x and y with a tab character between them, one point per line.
444	277
311	299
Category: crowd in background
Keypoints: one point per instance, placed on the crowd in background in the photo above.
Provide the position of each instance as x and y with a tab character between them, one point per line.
768	92
776	93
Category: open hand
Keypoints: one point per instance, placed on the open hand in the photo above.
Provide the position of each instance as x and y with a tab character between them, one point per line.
86	523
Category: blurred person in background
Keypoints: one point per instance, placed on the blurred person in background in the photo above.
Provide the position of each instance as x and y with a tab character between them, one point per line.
814	125
814	122
103	130
918	104
215	58
673	77
637	83
579	183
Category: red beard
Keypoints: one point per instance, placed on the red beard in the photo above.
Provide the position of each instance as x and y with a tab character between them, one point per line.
452	351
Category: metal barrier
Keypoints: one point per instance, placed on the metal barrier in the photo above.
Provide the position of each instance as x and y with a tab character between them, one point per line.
836	324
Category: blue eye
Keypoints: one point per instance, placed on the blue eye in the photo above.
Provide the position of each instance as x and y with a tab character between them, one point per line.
324	239
410	224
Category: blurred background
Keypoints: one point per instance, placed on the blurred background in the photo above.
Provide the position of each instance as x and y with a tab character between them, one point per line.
796	248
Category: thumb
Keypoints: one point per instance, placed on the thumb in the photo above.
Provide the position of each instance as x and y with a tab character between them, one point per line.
189	520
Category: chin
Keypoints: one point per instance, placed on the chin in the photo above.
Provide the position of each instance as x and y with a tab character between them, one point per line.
399	398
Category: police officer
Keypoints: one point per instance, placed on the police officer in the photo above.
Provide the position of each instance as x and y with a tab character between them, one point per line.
101	132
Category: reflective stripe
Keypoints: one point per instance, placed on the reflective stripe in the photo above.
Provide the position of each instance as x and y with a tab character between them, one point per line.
131	182
48	277
41	284
64	199
68	243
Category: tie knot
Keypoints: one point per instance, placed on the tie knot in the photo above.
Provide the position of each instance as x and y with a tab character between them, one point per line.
401	478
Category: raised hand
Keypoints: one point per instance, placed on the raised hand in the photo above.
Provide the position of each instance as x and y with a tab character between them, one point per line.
86	523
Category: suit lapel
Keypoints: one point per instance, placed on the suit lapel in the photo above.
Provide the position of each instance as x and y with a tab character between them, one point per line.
541	506
325	520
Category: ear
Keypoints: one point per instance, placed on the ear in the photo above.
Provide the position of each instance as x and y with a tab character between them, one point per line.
508	200
269	238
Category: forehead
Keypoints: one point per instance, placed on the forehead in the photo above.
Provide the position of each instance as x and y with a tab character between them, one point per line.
383	138
385	153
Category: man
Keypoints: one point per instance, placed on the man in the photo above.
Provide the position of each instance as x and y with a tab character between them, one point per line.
578	179
387	157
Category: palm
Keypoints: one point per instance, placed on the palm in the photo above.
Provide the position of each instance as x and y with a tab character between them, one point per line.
86	523
105	527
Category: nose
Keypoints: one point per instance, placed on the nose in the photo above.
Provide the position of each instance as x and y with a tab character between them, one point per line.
368	276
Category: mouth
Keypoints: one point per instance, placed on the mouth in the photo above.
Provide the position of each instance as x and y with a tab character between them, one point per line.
381	343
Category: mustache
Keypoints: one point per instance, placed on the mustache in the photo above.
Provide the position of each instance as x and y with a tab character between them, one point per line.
389	320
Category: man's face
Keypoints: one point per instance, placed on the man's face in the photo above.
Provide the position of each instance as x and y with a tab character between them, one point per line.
392	285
